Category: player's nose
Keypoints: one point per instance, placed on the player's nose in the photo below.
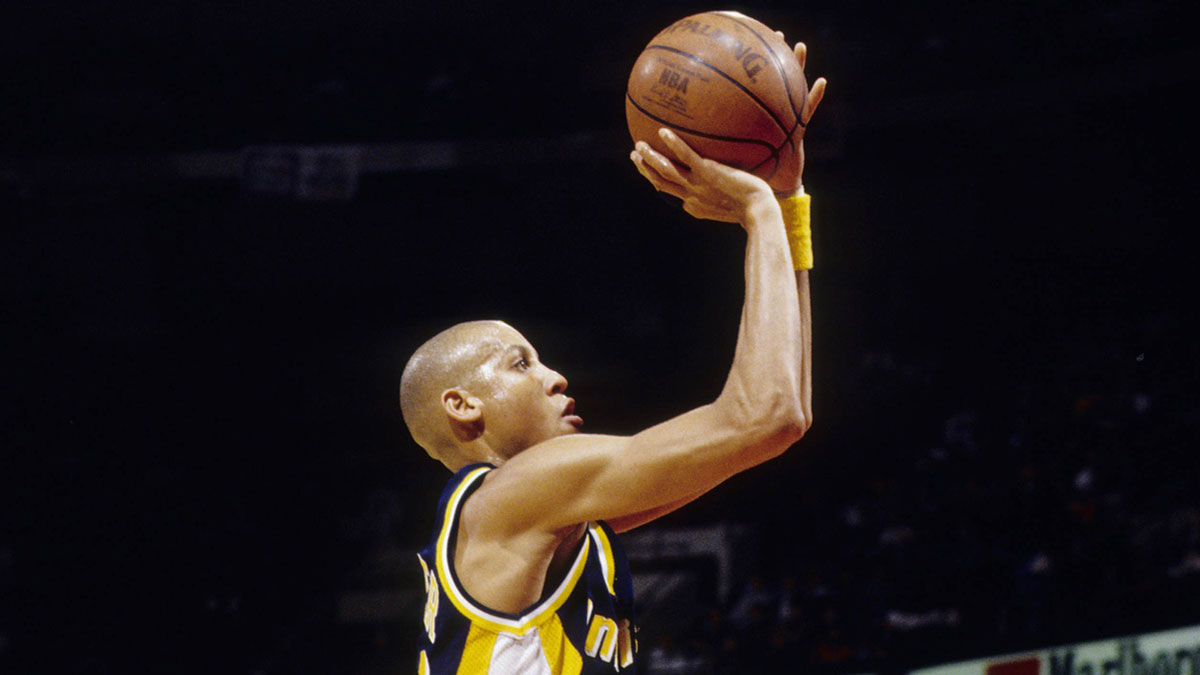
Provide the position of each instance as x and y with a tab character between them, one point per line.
555	382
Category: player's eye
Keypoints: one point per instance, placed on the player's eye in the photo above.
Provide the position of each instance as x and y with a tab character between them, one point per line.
522	364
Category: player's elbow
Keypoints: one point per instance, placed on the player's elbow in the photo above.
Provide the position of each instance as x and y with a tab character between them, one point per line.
787	415
779	420
782	433
789	421
792	425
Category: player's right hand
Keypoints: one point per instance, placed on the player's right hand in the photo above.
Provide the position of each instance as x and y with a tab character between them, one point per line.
708	189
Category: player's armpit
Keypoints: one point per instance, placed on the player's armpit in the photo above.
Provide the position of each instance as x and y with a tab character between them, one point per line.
578	478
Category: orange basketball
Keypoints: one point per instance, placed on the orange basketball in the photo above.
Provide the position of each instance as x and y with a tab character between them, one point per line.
729	86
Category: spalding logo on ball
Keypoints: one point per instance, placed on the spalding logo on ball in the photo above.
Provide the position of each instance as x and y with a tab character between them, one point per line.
729	86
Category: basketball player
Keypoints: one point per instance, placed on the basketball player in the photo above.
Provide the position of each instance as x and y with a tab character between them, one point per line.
525	574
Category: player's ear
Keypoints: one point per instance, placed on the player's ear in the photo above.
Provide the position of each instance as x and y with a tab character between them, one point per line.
464	411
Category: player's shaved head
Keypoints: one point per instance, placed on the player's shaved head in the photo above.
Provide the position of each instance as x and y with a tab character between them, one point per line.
449	360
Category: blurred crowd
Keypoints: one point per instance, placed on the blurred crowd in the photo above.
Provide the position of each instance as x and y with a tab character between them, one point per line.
1061	511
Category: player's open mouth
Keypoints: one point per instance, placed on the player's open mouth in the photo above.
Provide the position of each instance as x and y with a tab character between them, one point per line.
569	414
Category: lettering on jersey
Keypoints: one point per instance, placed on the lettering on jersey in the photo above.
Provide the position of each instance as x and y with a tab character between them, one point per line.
607	639
431	601
602	638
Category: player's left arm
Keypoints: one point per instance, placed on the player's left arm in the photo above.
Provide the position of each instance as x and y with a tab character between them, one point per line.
816	93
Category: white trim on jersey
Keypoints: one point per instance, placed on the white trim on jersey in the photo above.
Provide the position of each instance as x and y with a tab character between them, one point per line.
487	618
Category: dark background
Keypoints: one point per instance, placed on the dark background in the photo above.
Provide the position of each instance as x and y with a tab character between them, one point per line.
199	422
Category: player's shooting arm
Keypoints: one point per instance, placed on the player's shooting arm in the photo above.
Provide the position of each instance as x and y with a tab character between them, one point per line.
758	415
629	522
766	404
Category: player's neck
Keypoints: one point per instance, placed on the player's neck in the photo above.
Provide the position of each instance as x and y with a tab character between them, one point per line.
471	453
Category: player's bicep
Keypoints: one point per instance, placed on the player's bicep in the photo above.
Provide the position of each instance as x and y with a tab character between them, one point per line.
577	478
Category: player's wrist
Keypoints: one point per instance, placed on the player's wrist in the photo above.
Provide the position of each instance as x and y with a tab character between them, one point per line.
795	208
759	207
790	193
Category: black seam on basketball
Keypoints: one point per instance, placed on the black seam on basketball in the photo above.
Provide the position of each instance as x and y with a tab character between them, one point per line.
787	87
775	154
772	156
775	57
791	137
739	85
694	132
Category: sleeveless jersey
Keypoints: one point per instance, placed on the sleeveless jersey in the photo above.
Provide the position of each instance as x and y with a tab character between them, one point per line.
584	626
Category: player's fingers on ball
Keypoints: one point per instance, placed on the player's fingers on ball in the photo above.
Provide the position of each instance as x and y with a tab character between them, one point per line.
646	158
683	151
674	170
662	165
649	173
651	156
643	149
801	50
660	182
815	94
673	189
640	162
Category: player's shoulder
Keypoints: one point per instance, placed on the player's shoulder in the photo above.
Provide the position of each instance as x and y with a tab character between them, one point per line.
458	489
466	478
512	499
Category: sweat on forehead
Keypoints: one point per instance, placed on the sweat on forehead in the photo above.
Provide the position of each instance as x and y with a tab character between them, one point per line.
466	346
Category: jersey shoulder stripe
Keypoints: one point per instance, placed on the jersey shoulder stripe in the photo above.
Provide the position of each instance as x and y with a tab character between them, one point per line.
518	624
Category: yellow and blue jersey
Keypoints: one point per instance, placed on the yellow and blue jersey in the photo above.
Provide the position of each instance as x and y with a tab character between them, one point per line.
584	626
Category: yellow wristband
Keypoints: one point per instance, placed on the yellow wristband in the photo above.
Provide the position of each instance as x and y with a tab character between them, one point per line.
799	229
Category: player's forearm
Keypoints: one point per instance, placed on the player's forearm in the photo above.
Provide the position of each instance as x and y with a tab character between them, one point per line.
766	381
805	348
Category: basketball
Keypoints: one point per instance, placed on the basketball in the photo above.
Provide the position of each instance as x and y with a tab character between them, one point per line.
729	86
